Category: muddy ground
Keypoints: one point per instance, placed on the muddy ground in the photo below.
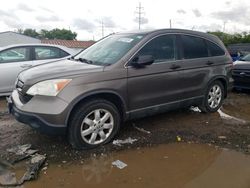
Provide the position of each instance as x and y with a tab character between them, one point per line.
228	129
187	125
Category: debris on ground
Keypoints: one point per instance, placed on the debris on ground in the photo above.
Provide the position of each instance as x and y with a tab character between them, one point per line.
178	138
34	167
195	109
126	141
228	117
4	164
20	153
8	179
119	164
222	137
20	149
141	129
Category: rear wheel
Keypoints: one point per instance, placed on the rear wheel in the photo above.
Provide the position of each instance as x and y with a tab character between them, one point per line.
93	123
213	98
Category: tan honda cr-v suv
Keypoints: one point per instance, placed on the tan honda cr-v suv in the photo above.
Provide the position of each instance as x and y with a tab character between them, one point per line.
121	77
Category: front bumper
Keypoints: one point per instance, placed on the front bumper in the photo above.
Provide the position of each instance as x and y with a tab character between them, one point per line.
46	123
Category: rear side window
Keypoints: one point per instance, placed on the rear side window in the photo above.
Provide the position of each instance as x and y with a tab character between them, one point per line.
214	49
162	48
63	53
48	53
193	47
15	55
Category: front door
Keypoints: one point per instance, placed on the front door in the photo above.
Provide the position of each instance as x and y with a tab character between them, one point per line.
155	84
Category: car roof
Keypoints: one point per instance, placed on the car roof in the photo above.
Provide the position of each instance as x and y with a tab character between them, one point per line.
68	50
180	31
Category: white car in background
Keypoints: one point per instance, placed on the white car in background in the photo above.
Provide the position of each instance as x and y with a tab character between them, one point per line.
16	58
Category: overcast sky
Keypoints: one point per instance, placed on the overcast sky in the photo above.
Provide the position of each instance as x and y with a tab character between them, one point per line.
85	16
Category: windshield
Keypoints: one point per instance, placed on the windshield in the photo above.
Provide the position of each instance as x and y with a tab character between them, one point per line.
109	50
246	57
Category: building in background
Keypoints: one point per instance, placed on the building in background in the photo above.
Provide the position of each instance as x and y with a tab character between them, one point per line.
10	38
13	38
74	44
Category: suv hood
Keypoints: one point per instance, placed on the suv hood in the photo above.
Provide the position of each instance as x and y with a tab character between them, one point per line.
63	68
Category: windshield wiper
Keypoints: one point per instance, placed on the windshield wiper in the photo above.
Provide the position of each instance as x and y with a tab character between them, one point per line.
85	60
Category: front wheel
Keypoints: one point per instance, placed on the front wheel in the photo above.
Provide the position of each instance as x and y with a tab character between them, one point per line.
213	98
93	123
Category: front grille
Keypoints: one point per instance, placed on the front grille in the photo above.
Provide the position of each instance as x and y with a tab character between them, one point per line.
24	98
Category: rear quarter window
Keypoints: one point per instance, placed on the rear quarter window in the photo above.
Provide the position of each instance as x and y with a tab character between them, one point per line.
193	47
214	49
63	53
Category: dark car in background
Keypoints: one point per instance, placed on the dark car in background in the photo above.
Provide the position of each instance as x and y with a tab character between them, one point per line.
123	77
241	73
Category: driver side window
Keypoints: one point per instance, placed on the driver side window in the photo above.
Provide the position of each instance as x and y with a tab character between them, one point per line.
162	48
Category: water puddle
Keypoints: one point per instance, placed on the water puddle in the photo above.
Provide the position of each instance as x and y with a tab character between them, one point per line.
172	165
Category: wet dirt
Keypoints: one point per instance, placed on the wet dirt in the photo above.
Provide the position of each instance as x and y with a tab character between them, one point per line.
182	126
171	165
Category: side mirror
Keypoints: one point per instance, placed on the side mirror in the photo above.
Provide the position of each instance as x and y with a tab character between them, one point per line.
142	61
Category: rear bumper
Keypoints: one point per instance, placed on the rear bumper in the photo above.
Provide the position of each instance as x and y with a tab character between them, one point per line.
35	120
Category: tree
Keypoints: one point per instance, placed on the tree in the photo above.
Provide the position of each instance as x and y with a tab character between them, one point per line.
50	34
58	34
232	38
30	32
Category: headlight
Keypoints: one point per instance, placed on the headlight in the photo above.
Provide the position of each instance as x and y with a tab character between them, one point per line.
48	87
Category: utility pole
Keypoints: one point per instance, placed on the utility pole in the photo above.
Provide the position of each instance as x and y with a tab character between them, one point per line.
102	29
139	12
170	23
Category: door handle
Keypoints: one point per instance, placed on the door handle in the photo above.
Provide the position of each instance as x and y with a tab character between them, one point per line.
173	67
26	66
209	63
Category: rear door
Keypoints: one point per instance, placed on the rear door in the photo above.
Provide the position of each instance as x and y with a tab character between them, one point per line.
156	84
12	62
196	65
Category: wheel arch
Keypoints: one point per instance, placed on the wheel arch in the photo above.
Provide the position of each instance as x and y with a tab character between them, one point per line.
108	95
223	80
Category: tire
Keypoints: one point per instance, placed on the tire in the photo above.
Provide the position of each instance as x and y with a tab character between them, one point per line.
93	123
213	98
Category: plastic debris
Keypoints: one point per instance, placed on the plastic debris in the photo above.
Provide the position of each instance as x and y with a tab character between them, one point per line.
126	141
141	129
195	109
21	152
222	137
20	149
119	164
178	138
